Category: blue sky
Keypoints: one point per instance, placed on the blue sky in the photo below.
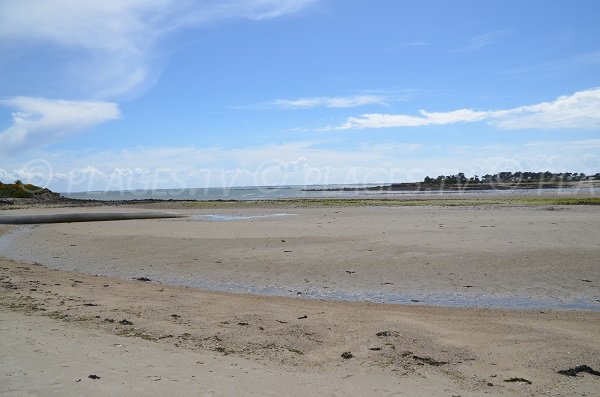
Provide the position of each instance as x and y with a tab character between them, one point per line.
126	94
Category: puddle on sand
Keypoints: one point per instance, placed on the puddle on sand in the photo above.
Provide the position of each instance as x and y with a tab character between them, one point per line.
426	299
226	218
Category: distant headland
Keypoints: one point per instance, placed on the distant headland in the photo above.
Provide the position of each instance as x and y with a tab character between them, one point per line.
500	181
19	189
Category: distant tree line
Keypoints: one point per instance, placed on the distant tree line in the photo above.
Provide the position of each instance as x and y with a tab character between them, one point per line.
461	179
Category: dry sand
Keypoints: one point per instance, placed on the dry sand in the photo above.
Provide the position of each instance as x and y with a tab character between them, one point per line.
56	328
39	357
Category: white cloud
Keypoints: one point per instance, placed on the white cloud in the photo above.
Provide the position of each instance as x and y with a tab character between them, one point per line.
39	121
115	40
96	49
579	110
329	102
377	120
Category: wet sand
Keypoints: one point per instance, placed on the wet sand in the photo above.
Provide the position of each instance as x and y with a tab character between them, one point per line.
511	257
63	319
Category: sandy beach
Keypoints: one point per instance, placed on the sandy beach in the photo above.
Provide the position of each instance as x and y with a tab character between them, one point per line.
494	301
536	257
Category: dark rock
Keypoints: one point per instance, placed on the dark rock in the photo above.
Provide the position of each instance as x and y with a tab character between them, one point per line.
347	355
92	376
125	322
429	360
383	333
522	380
142	279
303	317
580	368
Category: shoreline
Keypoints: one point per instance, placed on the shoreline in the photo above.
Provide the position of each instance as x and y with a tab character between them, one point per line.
466	186
451	351
435	199
566	193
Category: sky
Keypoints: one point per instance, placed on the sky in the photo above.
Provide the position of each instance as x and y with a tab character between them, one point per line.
146	94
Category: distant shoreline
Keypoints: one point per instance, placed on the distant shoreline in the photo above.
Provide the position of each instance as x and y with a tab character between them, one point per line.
468	186
469	200
400	194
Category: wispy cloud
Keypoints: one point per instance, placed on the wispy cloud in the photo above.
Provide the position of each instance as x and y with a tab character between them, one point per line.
409	44
98	50
579	110
329	102
38	121
367	97
563	65
115	40
483	40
